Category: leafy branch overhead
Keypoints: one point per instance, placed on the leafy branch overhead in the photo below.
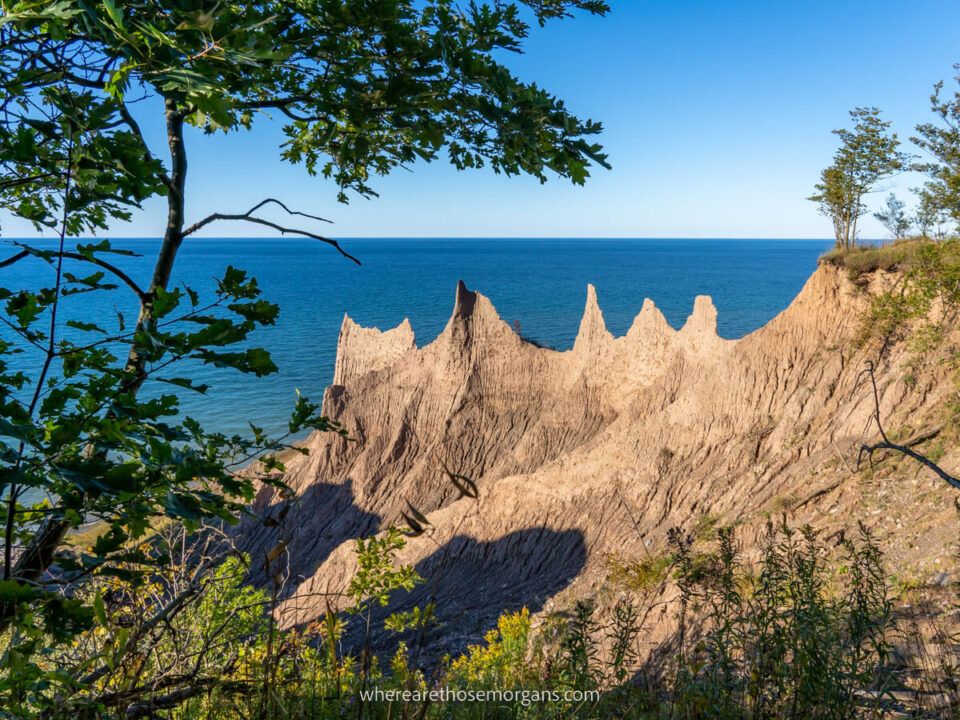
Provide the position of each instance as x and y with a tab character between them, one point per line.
361	87
91	432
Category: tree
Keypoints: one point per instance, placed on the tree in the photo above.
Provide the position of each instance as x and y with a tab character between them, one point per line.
894	217
868	154
942	142
929	217
840	201
363	87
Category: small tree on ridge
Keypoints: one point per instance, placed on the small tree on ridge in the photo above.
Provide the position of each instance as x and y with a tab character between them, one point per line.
942	142
868	154
894	217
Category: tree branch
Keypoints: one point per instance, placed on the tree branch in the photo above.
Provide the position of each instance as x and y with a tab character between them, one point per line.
15	258
135	129
249	217
281	104
288	210
17	182
117	272
886	444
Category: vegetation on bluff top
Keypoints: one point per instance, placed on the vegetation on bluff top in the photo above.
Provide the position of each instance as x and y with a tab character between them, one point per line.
870	153
898	255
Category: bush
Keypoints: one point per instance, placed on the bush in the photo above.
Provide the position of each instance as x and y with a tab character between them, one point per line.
784	644
803	633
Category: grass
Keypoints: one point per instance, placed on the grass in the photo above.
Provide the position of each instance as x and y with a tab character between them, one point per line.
861	260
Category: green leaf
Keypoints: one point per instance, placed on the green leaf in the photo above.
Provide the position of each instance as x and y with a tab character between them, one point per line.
183	506
65	618
89	250
165	301
261	311
256	361
85	326
12	591
114	13
99	610
185	383
25	307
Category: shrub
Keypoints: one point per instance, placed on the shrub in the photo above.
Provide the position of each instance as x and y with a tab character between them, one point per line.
501	662
783	645
803	633
639	576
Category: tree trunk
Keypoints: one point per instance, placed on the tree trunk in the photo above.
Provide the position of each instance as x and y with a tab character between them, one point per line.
37	556
172	237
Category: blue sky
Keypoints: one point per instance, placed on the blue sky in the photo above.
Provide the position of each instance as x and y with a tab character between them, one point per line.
717	120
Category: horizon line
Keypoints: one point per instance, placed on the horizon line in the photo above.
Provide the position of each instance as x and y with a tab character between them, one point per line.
438	237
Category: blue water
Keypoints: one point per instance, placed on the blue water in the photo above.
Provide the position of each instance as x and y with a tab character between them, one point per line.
539	283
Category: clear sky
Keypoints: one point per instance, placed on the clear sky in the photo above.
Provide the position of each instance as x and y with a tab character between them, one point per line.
717	120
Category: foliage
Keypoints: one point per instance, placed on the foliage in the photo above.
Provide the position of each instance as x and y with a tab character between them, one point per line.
941	141
905	255
193	636
929	216
868	154
783	644
363	88
641	575
802	633
501	663
376	577
81	444
925	296
89	413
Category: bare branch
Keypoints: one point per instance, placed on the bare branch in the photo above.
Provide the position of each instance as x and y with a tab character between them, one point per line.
249	217
288	210
905	449
943	474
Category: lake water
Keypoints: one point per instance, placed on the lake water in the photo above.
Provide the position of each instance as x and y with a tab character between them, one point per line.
539	283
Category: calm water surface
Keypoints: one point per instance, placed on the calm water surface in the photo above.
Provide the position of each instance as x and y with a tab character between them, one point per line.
539	283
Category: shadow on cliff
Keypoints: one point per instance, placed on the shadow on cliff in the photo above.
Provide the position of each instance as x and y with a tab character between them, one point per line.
312	525
473	583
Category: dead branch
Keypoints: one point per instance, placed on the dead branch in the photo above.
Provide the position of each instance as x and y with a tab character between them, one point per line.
867	450
248	216
194	687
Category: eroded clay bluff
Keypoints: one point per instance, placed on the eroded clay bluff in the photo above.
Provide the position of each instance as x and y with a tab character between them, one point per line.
594	453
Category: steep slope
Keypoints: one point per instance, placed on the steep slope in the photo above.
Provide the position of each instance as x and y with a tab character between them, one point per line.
584	454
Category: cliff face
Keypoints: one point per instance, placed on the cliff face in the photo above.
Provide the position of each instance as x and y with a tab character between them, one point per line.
583	454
